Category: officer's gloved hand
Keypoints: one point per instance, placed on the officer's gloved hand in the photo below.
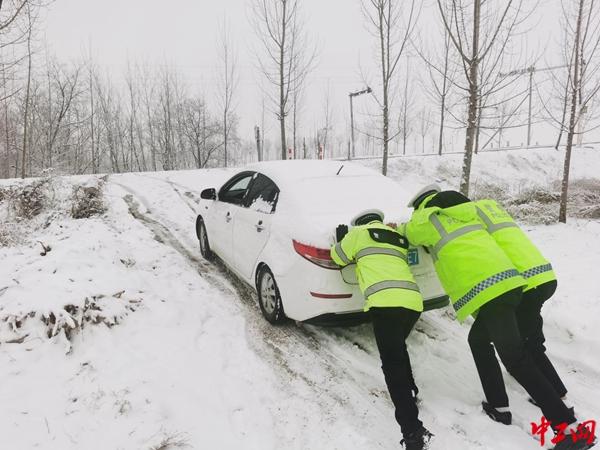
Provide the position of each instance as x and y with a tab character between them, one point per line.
340	232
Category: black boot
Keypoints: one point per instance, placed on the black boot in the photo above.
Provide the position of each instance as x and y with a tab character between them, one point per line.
577	440
568	444
504	417
533	402
417	440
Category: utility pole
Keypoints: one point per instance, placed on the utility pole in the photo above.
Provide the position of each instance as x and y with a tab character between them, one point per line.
531	70
352	95
258	146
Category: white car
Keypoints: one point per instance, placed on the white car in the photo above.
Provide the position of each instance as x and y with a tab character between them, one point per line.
273	224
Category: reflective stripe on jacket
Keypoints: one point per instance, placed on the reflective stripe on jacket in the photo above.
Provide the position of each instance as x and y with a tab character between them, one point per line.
382	270
470	265
518	247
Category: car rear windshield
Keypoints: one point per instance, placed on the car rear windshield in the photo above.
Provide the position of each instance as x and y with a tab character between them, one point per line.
347	194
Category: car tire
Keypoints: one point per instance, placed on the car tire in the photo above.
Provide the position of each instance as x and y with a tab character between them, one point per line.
205	250
269	298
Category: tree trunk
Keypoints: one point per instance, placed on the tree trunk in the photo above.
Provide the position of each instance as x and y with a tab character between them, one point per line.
225	133
6	127
257	135
385	79
473	94
564	115
478	129
562	216
295	124
94	156
303	148
443	107
282	56
27	93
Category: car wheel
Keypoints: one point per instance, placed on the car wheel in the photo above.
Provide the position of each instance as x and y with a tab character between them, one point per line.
203	239
269	297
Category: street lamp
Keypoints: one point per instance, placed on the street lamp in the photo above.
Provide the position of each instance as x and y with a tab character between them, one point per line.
352	95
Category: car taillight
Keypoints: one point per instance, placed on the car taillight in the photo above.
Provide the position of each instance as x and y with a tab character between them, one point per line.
319	256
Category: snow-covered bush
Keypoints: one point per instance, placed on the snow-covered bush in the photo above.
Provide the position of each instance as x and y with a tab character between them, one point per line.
87	201
489	190
542	195
9	234
16	324
29	201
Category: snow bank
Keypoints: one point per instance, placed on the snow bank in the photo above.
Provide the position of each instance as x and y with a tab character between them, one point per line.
192	362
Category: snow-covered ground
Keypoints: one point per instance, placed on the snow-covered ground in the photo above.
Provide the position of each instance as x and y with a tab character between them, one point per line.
180	356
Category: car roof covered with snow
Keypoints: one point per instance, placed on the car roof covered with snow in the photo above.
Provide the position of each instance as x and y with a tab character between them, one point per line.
284	172
316	196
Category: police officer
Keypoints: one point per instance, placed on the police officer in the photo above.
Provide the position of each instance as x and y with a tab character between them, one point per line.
541	285
394	303
482	281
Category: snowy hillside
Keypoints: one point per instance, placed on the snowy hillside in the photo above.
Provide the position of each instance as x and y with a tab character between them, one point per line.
120	336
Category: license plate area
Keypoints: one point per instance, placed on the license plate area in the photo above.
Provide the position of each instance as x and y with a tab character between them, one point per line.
413	257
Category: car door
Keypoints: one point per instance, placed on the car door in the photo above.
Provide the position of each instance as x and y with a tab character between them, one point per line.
252	224
230	200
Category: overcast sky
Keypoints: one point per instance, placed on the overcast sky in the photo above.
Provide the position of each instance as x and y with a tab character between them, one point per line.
183	33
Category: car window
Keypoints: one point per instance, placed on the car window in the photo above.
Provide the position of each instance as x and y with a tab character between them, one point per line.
235	189
262	195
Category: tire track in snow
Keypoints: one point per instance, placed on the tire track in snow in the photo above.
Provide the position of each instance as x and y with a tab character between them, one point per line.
315	365
296	352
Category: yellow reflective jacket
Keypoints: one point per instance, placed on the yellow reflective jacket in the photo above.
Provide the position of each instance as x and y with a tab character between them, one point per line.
518	247
472	268
380	254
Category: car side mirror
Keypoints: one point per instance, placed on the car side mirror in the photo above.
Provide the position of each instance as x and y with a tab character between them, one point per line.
209	194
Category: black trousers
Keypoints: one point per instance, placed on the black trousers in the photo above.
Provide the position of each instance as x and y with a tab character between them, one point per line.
391	327
529	319
496	324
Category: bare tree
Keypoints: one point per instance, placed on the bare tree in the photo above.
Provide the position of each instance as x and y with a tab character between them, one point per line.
169	98
442	75
7	126
481	50
63	89
228	82
327	119
406	117
288	58
392	26
424	126
27	89
296	110
201	131
94	160
582	42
